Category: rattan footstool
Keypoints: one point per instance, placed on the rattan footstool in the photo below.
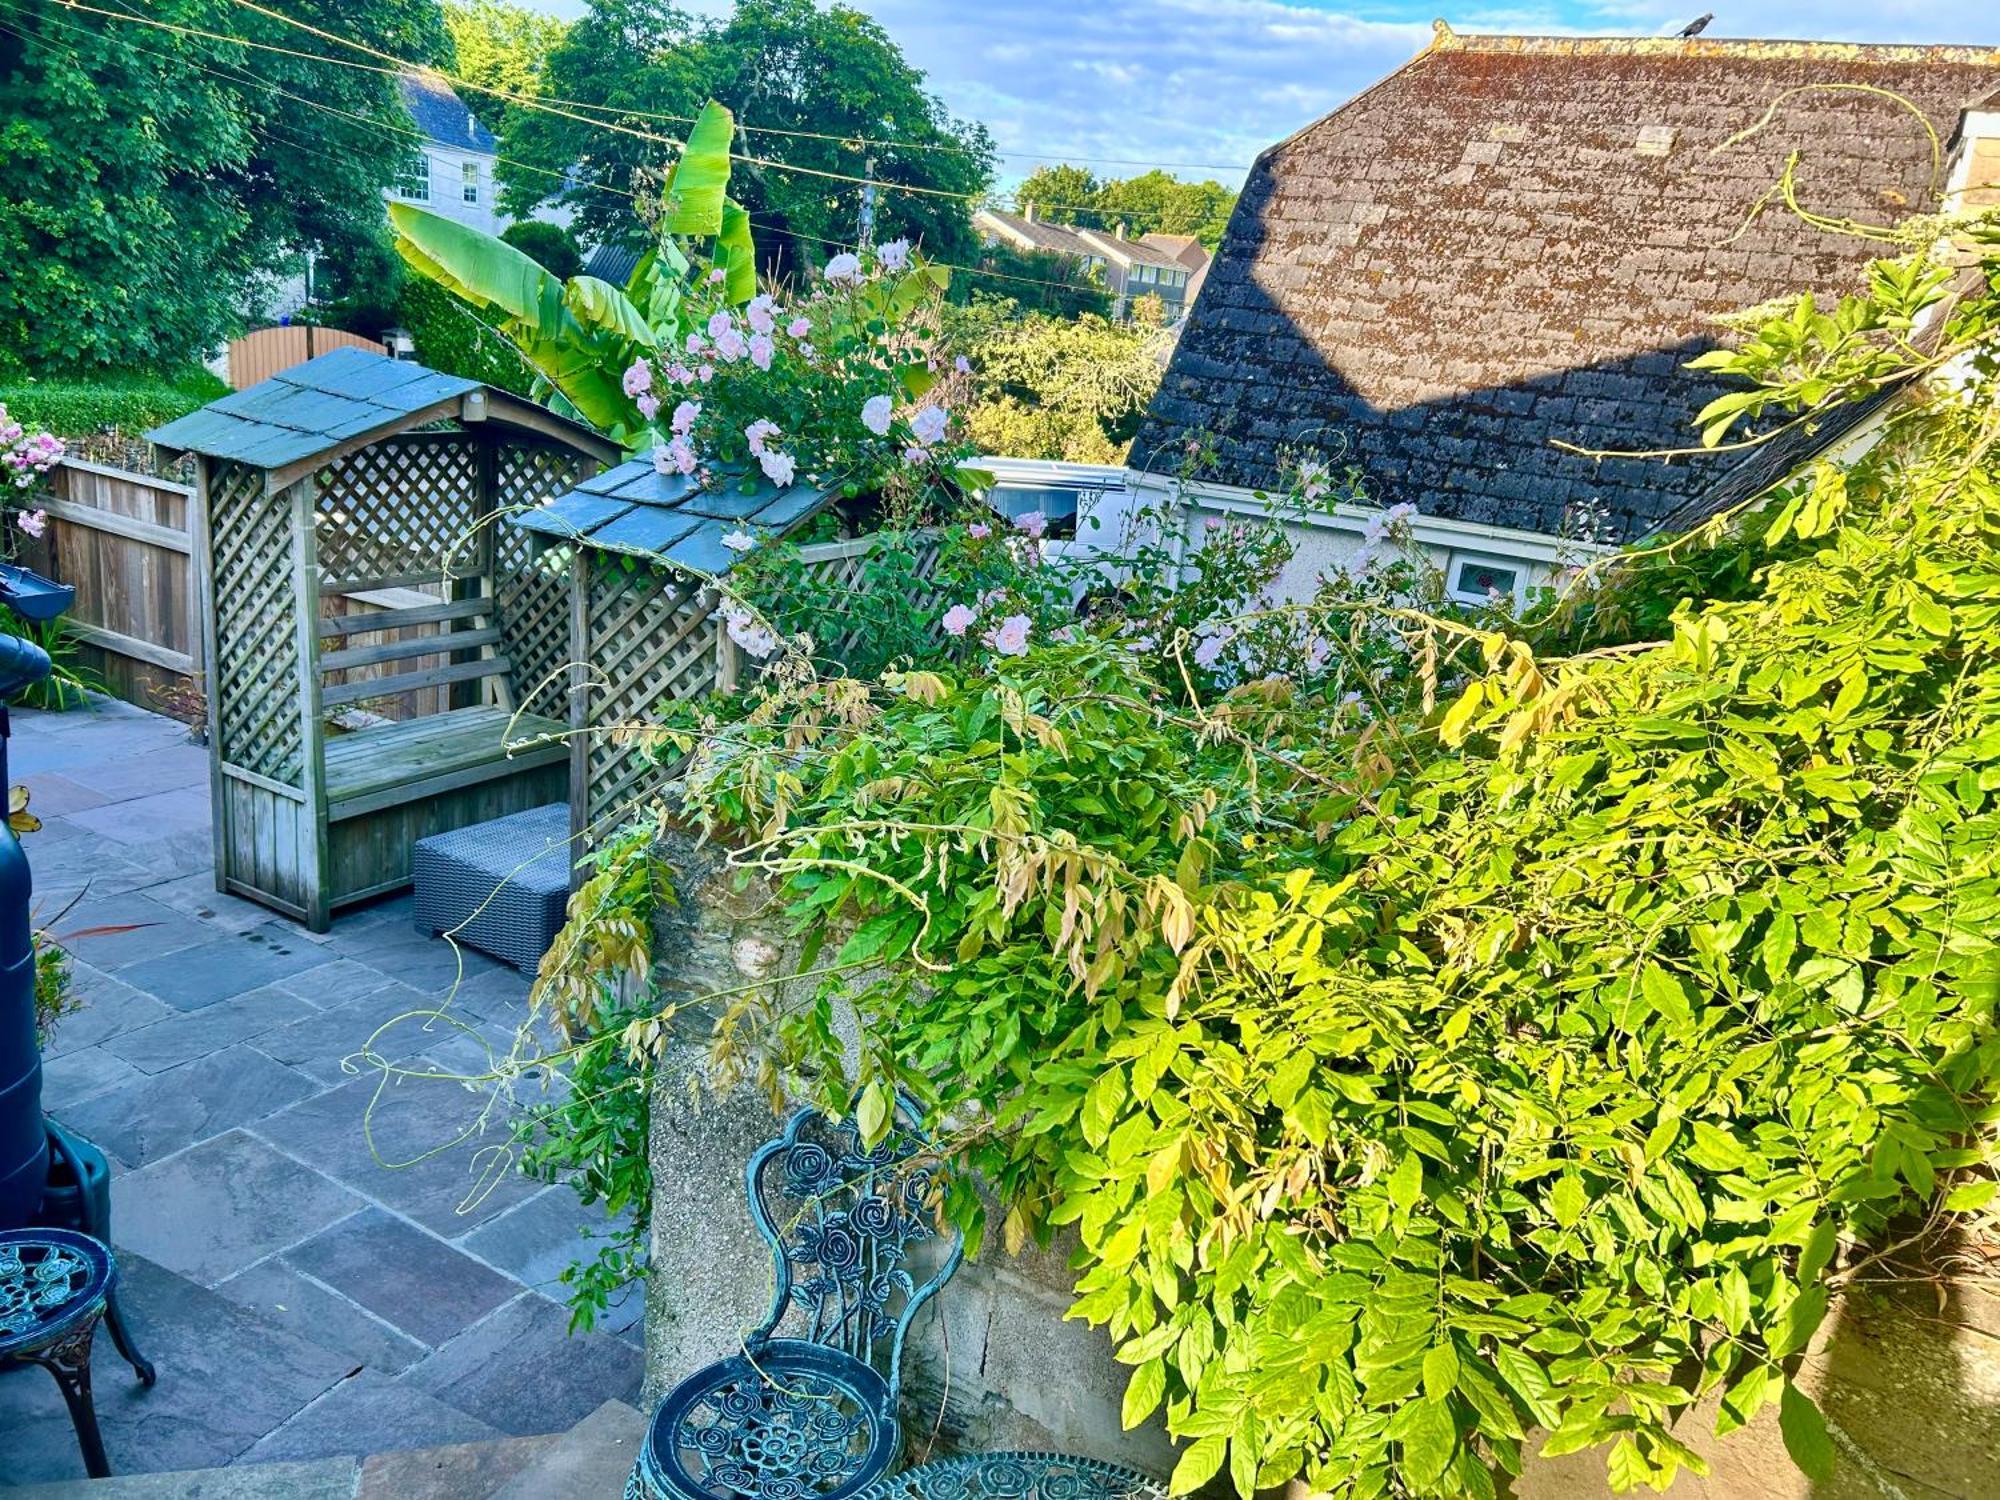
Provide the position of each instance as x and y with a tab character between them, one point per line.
500	887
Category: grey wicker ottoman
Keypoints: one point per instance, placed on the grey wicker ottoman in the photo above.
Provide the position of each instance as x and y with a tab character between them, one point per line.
500	887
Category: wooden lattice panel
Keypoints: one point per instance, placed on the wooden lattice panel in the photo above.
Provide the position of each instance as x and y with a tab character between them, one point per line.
653	638
403	507
839	566
533	590
256	671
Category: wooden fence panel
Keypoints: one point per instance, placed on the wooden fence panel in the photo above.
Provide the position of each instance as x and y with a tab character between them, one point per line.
122	539
261	354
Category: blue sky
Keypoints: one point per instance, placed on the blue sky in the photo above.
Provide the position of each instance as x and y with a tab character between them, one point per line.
1209	83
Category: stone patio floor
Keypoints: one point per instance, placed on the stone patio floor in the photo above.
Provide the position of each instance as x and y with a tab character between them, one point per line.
321	1259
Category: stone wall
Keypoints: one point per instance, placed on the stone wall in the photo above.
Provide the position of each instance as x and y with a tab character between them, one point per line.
991	1363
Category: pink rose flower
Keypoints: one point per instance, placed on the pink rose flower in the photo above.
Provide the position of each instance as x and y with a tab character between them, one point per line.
1010	636
979	531
929	424
779	468
705	374
894	255
684	416
877	412
761	314
843	268
1032	524
760	432
798	328
731	347
958	619
639	377
34	522
649	406
761	350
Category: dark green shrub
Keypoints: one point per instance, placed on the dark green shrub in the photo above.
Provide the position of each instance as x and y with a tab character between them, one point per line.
553	247
450	337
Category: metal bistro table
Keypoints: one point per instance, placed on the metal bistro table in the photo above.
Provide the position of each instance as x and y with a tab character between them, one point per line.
1017	1476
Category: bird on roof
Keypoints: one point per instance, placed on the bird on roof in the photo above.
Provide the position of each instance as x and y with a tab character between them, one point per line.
1699	24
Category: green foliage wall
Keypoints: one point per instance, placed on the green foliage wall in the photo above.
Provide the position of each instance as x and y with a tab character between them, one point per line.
74	407
1545	1050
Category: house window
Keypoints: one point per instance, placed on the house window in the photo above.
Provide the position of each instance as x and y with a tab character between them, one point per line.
471	188
1474	580
415	182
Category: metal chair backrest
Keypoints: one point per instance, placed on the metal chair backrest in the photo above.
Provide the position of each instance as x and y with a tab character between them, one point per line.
842	1221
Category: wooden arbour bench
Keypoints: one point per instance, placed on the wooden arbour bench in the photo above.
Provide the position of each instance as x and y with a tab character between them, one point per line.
384	661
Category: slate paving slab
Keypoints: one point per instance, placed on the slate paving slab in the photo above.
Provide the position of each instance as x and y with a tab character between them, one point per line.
413	1281
393	1023
524	1372
534	1242
429	1149
337	981
140	820
219	1207
224	966
153	930
184	1036
75	1076
164	1112
281	1293
110	1008
365	1413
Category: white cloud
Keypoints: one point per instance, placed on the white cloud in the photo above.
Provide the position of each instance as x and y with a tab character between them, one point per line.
1210	83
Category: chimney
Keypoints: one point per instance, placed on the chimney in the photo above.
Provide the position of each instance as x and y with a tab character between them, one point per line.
1119	232
1028	212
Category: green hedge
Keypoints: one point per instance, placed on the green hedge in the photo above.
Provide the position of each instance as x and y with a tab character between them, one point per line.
73	406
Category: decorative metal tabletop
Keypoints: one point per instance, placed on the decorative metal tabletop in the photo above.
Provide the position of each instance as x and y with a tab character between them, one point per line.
1017	1476
52	1281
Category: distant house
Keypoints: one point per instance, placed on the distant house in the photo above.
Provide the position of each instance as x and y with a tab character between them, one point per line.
1157	265
451	171
1513	243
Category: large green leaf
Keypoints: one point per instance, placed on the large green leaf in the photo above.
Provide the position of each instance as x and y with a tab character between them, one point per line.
599	304
531	310
736	253
486	271
699	182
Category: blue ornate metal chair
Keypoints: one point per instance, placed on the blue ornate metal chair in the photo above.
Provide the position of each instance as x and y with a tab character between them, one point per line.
807	1409
53	1286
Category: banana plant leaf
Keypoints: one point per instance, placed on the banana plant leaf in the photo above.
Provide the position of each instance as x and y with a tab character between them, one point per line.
697	186
736	253
583	360
599	304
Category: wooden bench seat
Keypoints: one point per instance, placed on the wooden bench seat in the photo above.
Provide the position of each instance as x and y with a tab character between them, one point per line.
387	764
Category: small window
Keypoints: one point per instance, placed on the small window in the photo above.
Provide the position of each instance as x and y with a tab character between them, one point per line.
471	188
415	181
1475	580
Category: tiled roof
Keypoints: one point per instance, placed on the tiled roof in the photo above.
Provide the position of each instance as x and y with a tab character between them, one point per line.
442	116
614	263
1134	252
311	408
1042	234
670	518
1515	240
1184	248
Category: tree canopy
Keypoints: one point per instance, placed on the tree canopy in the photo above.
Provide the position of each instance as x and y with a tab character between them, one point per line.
501	45
1154	202
152	177
779	65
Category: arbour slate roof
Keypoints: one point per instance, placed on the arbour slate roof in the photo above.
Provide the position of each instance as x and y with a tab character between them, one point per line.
671	518
1478	255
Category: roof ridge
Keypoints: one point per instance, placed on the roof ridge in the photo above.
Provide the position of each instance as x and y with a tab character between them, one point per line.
1447	40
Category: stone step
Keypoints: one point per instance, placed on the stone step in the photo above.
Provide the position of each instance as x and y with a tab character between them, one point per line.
589	1462
592	1459
318	1479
